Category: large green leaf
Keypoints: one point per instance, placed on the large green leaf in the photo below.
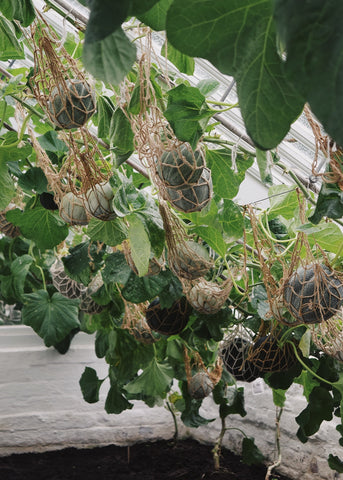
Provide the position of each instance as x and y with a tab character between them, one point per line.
112	232
187	113
115	401
251	454
10	48
116	269
105	108
238	37
33	180
312	35
105	17
21	10
43	226
184	63
90	385
83	261
154	381
12	286
121	134
328	235
139	244
329	203
139	289
227	175
319	408
283	201
156	16
52	318
110	58
7	188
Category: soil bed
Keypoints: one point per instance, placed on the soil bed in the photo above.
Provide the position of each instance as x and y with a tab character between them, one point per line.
162	460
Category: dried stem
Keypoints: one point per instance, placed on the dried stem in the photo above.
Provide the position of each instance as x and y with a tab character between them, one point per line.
277	463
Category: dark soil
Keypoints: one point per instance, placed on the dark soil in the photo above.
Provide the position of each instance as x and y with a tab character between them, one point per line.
163	460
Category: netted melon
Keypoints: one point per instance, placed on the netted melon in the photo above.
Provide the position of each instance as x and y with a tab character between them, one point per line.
234	353
268	356
206	297
200	385
168	321
192	198
313	293
47	201
181	167
142	332
192	261
72	210
98	201
72	105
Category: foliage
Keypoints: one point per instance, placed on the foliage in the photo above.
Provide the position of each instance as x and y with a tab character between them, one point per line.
268	47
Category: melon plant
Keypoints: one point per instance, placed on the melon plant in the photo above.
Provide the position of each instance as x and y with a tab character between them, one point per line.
200	385
234	353
181	167
71	105
192	261
168	321
72	210
268	356
98	201
192	198
313	293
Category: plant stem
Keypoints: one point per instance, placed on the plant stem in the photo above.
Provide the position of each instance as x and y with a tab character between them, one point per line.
218	445
308	368
176	431
277	463
43	276
80	25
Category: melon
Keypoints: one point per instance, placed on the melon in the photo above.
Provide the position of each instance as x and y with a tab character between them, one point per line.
181	167
65	285
168	321
72	210
98	201
192	198
234	354
268	356
193	261
71	106
313	293
200	385
206	297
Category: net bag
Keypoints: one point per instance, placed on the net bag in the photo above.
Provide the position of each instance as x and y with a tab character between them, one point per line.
234	351
206	296
328	336
6	227
168	321
57	83
200	380
65	285
308	290
268	355
134	321
186	258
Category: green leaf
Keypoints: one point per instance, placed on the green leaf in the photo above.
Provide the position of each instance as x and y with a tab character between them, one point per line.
10	149
116	269
235	403
115	401
282	201
110	58
112	232
227	173
182	62
139	244
187	113
208	86
141	6
105	108
156	16
52	318
105	17
21	10
231	218
10	48
42	226
320	408
213	237
51	143
12	286
251	455
190	409
90	385
259	301
328	235
240	40
329	203
154	381
335	463
265	163
139	289
83	261
34	180
279	397
154	228
7	188
121	134
311	33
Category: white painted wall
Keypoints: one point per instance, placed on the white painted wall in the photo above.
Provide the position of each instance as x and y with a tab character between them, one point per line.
41	408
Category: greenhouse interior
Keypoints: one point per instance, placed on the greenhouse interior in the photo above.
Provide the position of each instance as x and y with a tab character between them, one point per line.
171	242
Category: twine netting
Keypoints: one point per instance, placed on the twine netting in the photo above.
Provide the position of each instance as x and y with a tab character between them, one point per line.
176	169
308	290
234	351
200	379
328	336
267	355
168	321
65	285
185	258
58	84
134	321
206	296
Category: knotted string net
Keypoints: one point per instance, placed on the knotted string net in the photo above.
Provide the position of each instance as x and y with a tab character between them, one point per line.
201	380
134	321
207	296
328	336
